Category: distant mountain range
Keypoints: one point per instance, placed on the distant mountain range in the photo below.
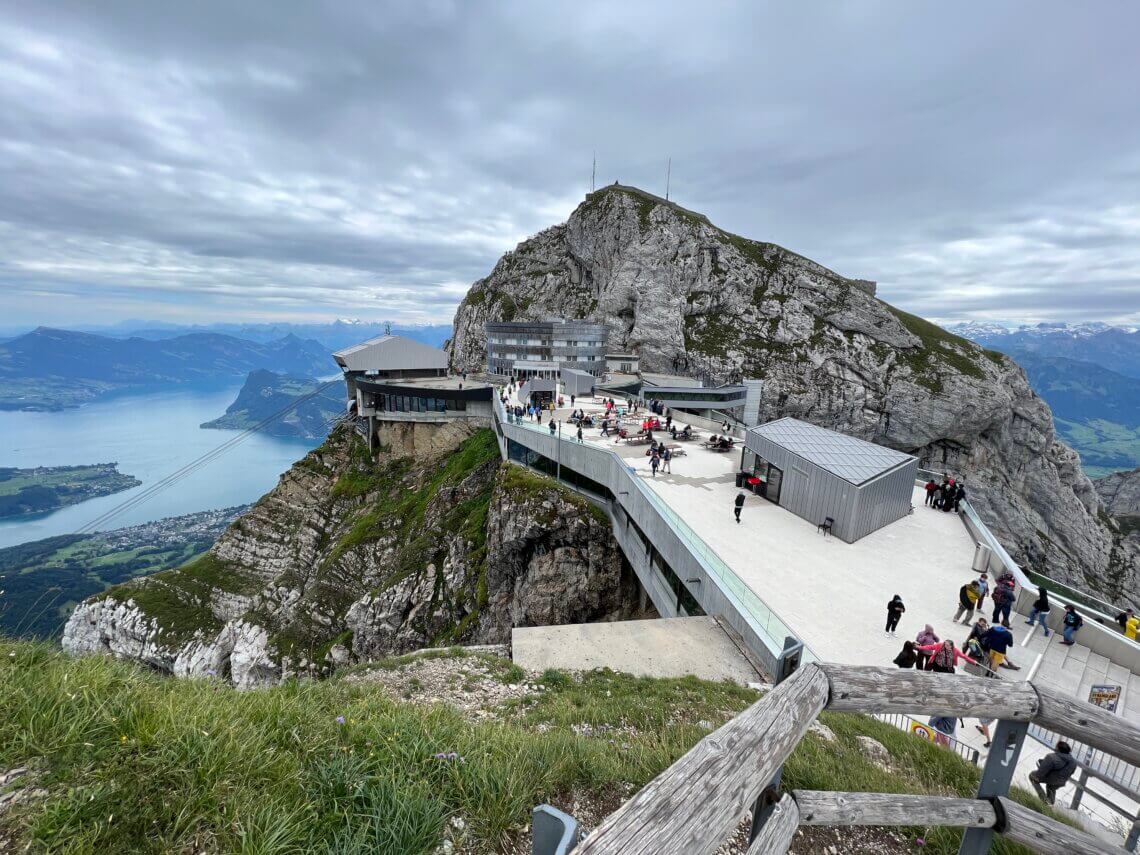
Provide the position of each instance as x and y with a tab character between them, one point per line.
1115	348
266	393
335	335
1087	374
49	369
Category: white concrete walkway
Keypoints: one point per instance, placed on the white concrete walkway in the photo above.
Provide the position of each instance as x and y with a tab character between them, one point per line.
674	647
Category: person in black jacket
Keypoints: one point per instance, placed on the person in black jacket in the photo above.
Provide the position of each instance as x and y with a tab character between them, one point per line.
959	495
1053	770
1040	611
895	609
738	505
907	657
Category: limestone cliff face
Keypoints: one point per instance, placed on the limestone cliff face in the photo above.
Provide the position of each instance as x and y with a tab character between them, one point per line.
1120	492
434	542
694	299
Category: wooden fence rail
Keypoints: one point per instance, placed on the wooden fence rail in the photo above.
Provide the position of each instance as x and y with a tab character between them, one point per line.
696	804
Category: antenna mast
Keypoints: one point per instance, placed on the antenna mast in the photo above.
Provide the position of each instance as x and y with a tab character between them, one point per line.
594	172
668	174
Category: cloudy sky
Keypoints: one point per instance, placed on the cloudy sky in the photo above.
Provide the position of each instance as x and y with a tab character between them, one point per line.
215	161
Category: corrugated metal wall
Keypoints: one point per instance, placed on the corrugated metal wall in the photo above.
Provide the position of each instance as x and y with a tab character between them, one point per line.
815	494
885	499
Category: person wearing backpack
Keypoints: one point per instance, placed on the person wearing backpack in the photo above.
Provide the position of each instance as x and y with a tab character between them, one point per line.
1003	600
1070	625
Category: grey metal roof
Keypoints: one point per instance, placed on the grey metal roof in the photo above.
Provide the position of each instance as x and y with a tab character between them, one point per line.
854	460
390	352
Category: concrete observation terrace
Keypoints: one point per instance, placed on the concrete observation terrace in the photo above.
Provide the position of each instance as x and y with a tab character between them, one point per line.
832	595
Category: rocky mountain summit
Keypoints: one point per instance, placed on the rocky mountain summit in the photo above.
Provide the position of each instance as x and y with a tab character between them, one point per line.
694	299
433	542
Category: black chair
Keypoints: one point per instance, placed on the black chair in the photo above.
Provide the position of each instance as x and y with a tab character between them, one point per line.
826	525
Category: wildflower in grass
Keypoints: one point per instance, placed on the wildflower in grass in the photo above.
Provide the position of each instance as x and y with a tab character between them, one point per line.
340	719
210	672
122	740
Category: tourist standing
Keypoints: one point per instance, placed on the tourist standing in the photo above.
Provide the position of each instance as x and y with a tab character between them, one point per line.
666	461
907	656
654	462
1003	599
553	426
1040	610
1053	770
1132	628
895	609
931	489
948	497
925	636
739	505
579	432
967	602
959	496
1071	625
983	589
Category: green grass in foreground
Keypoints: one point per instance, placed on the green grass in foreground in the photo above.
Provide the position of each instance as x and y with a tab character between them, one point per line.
135	762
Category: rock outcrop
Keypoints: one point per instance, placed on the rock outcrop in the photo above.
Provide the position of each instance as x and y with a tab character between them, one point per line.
1120	492
694	299
350	558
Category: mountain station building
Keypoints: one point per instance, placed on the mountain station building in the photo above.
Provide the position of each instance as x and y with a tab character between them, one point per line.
526	349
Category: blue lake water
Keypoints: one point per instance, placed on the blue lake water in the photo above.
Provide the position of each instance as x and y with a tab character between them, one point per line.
150	436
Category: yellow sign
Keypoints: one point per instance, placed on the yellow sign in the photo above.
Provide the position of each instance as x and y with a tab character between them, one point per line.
923	731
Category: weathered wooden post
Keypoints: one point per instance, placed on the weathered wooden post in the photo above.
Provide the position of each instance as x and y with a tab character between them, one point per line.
997	775
786	665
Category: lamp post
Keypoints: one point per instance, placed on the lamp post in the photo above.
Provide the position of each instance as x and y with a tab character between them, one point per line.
558	454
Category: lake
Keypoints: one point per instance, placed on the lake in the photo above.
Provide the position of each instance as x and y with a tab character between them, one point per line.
150	436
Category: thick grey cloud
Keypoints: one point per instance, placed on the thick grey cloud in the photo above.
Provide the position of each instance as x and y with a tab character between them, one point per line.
259	159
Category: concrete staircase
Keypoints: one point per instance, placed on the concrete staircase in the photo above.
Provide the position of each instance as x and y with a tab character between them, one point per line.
1075	670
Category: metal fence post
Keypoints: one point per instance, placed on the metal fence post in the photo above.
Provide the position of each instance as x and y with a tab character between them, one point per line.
997	775
1082	781
552	831
786	665
1133	836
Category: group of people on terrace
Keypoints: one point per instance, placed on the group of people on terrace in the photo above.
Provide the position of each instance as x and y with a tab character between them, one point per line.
945	496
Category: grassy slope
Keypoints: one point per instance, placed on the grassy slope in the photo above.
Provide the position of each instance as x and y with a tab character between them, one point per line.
134	762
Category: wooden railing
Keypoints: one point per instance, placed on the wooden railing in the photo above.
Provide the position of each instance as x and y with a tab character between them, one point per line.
696	804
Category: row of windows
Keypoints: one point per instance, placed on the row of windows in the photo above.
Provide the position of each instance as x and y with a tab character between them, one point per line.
535	357
412	404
